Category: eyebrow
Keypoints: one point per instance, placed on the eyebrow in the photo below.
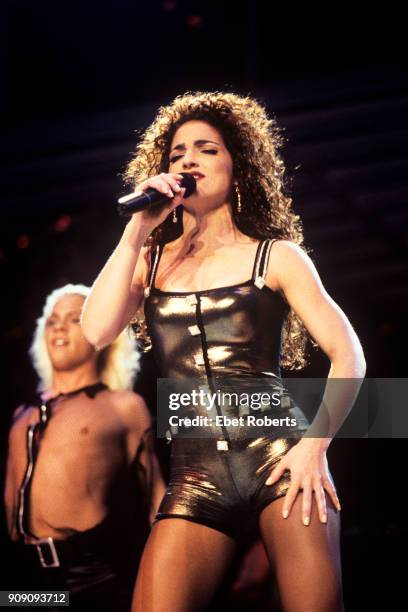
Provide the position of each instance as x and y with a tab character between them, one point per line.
200	142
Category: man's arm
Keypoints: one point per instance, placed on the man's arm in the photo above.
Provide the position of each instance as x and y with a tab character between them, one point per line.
141	447
11	485
154	480
9	495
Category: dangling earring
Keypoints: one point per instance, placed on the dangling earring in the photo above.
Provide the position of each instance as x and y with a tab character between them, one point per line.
174	216
237	192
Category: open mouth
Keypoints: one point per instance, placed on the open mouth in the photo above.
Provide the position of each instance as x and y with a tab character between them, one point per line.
59	342
197	175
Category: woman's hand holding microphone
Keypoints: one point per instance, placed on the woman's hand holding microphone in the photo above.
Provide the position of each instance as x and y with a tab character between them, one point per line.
145	221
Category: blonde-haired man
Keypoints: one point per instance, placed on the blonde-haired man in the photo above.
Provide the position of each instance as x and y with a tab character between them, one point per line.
82	479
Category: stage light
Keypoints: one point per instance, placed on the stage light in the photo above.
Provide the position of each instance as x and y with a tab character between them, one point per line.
62	223
23	242
169	5
194	21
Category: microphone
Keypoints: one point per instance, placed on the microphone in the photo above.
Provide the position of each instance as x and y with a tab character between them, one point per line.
139	200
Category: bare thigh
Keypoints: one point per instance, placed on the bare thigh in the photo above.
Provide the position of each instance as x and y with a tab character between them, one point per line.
306	559
182	565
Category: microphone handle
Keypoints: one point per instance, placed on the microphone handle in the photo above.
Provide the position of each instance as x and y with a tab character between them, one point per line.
135	202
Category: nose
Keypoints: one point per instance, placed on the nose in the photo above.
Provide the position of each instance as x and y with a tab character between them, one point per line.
189	160
58	325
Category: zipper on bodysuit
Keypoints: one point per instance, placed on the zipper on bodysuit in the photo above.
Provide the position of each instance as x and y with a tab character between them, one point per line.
207	366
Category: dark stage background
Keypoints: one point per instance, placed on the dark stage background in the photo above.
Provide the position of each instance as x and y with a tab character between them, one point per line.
80	77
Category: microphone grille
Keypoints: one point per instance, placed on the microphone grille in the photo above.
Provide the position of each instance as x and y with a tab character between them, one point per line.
189	183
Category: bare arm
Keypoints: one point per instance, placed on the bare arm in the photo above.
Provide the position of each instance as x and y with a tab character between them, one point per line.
154	482
157	486
140	441
9	495
11	484
328	325
117	292
330	328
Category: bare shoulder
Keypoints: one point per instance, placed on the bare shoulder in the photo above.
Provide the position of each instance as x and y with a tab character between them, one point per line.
288	250
127	401
131	408
19	411
288	262
22	416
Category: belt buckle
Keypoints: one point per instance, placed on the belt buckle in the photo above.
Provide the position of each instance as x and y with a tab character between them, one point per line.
47	542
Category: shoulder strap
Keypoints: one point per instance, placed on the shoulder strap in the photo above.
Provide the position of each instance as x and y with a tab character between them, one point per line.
265	260
259	250
261	262
155	255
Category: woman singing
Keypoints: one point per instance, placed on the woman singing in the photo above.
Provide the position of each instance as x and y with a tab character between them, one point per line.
229	290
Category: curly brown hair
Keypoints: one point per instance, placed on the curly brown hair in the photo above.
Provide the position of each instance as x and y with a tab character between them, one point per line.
253	140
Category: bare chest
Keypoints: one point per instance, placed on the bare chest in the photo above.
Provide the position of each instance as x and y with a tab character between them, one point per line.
76	433
195	271
81	449
85	426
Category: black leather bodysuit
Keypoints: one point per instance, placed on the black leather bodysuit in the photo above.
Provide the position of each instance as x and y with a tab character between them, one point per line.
213	334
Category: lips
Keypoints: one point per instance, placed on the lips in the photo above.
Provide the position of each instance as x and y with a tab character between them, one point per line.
197	175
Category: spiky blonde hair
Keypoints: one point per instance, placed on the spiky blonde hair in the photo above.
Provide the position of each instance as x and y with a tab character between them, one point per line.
119	362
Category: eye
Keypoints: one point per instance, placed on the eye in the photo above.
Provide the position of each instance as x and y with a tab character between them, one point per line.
50	322
76	320
175	158
210	151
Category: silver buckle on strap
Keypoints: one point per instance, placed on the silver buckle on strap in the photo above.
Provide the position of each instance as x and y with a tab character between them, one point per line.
48	544
259	282
222	445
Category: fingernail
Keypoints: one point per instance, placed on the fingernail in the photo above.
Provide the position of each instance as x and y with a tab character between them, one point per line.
324	518
268	482
306	520
285	513
338	507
